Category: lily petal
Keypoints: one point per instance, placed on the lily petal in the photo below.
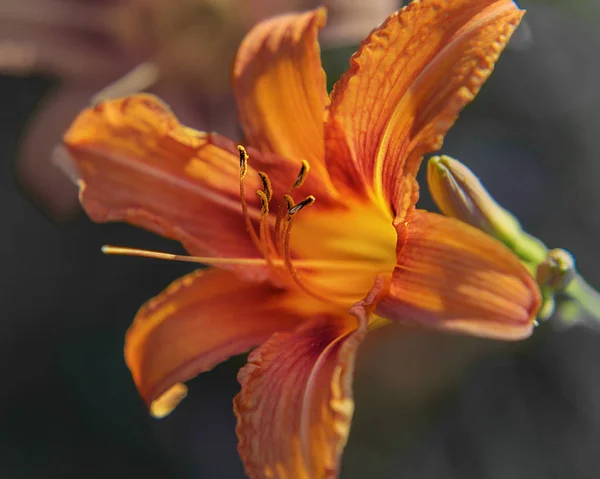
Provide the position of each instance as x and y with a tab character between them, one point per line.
295	406
197	322
405	87
452	276
280	87
138	164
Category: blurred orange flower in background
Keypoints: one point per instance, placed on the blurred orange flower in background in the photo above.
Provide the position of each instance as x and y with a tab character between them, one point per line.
180	49
313	227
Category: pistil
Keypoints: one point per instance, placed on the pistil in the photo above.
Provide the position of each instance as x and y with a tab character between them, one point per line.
219	261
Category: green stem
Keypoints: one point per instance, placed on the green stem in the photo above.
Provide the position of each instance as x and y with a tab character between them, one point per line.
532	252
585	295
530	249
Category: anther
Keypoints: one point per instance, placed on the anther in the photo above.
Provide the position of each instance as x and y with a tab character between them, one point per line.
289	201
267	188
306	202
243	161
304	169
264	203
249	226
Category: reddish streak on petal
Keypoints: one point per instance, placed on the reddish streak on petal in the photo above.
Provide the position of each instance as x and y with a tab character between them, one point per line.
295	406
405	88
138	164
197	322
280	87
452	276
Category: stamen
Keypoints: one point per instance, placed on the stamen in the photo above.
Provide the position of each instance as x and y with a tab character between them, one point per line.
264	203
286	205
269	250
306	202
292	209
304	169
287	256
243	161
267	188
243	171
273	247
265	197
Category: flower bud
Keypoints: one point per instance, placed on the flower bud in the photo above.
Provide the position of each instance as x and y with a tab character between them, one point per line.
557	271
459	193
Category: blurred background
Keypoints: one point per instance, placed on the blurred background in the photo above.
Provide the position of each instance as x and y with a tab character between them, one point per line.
427	405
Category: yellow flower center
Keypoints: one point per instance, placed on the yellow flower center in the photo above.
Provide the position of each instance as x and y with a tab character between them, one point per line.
360	237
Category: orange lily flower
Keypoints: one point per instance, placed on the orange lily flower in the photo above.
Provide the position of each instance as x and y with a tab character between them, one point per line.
305	280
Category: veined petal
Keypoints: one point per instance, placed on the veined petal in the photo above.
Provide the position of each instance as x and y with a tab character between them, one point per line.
138	164
452	276
405	88
197	322
295	406
280	87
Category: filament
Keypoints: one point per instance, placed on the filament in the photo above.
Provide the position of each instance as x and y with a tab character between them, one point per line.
243	171
265	238
287	253
280	223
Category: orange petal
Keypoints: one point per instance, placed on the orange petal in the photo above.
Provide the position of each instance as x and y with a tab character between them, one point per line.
197	322
138	164
280	87
406	86
452	276
295	406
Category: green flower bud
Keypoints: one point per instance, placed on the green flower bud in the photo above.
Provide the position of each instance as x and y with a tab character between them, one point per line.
459	193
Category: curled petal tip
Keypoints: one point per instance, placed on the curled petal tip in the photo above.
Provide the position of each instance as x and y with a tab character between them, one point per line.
459	194
168	401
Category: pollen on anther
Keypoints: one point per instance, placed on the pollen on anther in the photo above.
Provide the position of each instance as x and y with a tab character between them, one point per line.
289	201
304	169
267	188
305	202
243	161
264	202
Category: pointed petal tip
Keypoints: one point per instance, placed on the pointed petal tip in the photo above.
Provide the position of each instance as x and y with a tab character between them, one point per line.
440	52
280	86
